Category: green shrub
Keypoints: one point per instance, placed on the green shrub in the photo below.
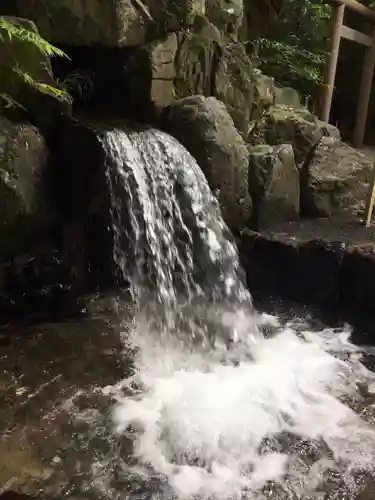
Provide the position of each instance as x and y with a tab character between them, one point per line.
15	65
292	48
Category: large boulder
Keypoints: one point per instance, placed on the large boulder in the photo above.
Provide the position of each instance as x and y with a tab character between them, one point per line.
204	127
286	125
336	178
110	23
273	184
23	206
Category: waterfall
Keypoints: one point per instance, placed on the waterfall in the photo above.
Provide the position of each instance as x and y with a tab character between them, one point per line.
170	241
270	416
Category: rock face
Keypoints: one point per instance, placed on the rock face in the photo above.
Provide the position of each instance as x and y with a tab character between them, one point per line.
163	56
273	184
335	179
287	125
235	85
210	64
113	23
23	156
196	59
207	131
227	15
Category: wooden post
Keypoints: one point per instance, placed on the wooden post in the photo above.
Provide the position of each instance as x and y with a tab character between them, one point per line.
330	72
364	94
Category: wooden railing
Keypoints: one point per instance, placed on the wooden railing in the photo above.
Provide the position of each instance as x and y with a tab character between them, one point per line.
339	31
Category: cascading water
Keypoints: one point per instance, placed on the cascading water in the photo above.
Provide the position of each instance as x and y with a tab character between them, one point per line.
272	415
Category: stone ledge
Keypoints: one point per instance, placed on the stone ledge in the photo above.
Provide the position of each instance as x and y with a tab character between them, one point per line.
324	263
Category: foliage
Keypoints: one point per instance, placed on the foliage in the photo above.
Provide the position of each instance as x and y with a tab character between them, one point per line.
16	70
292	46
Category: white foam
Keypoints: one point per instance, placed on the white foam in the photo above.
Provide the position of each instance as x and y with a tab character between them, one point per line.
202	422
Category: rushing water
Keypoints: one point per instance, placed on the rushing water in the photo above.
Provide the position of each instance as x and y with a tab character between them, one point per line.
189	392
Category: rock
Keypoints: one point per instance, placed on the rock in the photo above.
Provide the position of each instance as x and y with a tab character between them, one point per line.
227	15
335	179
329	263
114	23
264	93
163	70
287	125
19	53
235	85
209	64
293	268
287	96
273	184
23	206
204	127
196	59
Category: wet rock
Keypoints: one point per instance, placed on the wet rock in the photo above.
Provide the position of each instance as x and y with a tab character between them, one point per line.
273	184
207	131
357	278
114	23
41	285
335	179
326	263
295	269
82	197
23	203
287	125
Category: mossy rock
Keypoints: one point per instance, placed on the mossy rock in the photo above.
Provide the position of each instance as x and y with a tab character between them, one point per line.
287	125
23	206
273	184
110	23
204	127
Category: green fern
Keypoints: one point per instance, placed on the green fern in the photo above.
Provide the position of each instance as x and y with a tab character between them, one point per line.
15	70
